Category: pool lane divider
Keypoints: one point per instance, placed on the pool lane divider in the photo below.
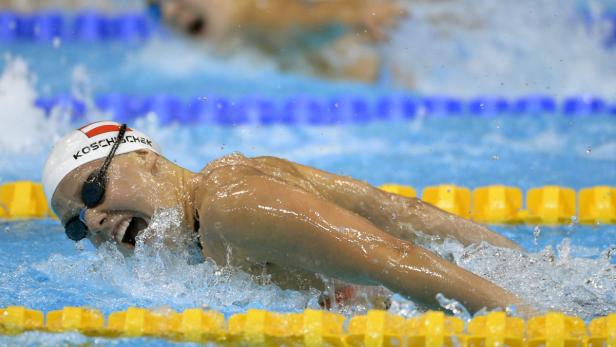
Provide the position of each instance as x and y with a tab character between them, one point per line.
23	200
312	110
496	204
317	327
499	204
84	27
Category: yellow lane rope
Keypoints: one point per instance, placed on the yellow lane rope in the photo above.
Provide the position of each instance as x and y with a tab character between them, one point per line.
318	328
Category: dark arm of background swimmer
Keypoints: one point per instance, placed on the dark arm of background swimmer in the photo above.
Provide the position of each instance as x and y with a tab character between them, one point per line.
272	221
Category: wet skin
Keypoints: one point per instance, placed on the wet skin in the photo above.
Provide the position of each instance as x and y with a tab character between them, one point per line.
218	19
306	39
291	220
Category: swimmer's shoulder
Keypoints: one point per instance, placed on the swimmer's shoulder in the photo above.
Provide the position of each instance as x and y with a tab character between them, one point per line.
227	170
235	158
230	169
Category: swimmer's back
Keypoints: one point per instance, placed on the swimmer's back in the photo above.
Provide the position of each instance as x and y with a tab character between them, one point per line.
234	167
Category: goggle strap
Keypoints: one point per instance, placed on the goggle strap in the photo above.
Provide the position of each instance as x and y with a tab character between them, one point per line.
102	173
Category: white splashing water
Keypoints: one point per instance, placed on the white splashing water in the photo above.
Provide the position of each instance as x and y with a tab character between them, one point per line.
27	134
549	280
470	47
25	129
171	277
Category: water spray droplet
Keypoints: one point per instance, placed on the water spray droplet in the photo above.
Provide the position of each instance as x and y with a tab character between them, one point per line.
79	246
511	310
454	306
536	234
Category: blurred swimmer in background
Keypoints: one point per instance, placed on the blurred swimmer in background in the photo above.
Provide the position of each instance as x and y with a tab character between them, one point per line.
264	215
333	39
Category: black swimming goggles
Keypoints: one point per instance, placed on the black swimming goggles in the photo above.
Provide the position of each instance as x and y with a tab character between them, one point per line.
92	193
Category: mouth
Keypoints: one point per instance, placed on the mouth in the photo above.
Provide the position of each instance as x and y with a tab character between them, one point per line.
130	229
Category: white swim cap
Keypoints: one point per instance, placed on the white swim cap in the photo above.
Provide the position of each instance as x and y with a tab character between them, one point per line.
86	144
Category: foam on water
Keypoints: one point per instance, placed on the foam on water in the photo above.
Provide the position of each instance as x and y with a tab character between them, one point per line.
549	279
25	127
26	132
472	47
159	277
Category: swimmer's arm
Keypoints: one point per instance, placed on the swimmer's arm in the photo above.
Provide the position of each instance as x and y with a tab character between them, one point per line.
283	14
222	19
398	215
427	218
272	221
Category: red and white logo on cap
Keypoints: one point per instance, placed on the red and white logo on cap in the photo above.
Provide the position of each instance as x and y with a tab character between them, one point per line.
98	128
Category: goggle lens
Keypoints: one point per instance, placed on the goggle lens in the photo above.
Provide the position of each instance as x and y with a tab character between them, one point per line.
75	229
93	191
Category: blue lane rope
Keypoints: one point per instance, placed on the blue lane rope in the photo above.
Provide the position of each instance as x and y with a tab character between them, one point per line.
322	110
85	26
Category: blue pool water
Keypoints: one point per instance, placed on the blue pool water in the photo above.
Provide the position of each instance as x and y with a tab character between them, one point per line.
568	268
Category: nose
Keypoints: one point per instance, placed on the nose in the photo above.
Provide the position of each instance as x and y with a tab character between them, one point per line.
94	219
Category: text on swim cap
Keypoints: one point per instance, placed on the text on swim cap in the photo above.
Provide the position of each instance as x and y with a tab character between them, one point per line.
94	146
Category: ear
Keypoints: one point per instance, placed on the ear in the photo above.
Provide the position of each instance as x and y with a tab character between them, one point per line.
149	160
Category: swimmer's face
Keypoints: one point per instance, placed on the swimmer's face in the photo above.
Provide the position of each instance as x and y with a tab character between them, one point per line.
188	16
133	192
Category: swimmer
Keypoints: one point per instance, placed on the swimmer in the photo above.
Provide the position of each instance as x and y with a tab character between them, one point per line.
105	181
329	38
218	18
